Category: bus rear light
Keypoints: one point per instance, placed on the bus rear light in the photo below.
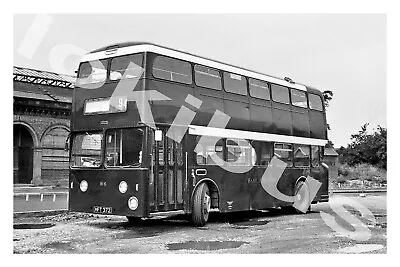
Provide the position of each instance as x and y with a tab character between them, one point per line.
133	203
123	187
83	186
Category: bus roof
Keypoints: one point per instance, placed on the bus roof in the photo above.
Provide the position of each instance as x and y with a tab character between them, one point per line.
126	48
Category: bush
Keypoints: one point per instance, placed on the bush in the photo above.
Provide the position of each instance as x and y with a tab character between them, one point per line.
361	172
366	172
341	179
343	170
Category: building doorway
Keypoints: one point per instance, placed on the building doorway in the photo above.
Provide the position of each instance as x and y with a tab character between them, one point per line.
23	155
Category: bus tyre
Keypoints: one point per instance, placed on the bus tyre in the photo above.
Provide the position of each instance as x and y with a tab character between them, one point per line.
201	205
302	195
134	220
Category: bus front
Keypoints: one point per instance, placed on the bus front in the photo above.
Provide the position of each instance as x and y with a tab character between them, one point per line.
108	145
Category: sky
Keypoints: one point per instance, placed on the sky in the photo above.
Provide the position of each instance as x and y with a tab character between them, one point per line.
344	53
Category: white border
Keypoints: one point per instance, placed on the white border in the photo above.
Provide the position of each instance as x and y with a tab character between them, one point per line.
228	133
180	55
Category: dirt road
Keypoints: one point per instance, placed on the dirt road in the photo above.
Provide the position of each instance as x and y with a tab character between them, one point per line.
249	232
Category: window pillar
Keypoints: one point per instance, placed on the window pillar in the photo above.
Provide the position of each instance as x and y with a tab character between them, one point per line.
37	166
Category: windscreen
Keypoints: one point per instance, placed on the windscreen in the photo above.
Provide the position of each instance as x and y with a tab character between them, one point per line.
86	150
124	147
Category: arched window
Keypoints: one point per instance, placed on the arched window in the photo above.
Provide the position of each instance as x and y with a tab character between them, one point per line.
54	156
23	154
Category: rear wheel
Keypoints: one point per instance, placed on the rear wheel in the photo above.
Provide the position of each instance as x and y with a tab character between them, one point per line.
302	197
201	205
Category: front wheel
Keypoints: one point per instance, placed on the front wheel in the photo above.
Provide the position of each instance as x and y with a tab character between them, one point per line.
134	220
201	205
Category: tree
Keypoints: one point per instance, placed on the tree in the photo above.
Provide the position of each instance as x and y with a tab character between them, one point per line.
327	95
366	148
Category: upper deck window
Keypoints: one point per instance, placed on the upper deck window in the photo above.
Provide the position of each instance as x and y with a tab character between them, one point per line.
92	72
172	70
126	67
299	98
207	77
235	83
259	89
315	102
280	93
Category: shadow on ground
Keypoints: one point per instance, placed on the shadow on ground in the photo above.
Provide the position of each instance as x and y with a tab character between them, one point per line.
157	225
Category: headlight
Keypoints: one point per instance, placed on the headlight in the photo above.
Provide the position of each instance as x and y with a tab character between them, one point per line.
133	203
83	186
123	187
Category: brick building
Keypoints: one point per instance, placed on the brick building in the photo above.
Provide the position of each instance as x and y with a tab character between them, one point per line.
41	110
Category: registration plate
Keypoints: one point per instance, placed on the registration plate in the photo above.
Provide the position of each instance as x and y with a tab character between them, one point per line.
101	209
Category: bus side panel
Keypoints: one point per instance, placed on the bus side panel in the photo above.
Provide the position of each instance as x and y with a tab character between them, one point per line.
301	122
317	120
321	174
261	116
234	192
212	100
264	199
165	111
103	191
237	107
260	199
232	187
282	117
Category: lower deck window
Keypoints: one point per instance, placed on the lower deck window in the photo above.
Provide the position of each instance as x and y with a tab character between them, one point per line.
263	152
284	152
240	153
208	148
315	156
301	156
124	147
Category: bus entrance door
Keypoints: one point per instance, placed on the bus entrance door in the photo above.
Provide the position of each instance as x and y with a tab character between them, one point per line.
167	184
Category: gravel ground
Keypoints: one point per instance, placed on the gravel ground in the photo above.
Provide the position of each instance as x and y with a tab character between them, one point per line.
244	232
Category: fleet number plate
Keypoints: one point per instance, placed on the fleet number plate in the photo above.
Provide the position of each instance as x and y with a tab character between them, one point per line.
100	209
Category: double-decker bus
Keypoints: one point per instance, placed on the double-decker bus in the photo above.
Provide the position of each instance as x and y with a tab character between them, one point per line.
157	130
